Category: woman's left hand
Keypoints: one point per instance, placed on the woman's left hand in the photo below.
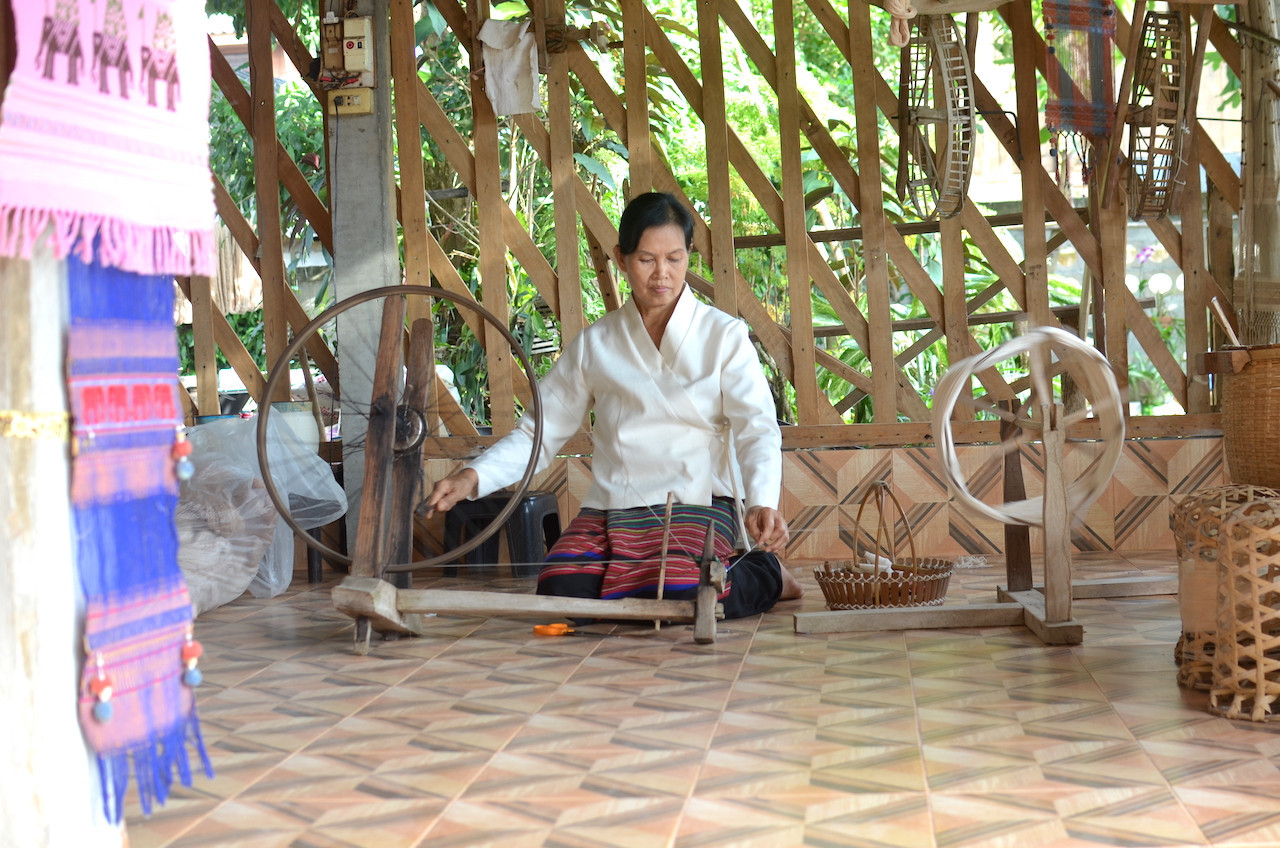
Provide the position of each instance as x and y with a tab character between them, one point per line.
768	528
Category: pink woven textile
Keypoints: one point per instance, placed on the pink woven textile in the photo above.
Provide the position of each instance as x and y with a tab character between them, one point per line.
104	135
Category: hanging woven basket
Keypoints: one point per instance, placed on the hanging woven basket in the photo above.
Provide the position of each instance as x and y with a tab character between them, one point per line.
1251	418
909	582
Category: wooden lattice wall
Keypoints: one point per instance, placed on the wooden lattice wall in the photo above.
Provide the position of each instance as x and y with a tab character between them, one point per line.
1202	246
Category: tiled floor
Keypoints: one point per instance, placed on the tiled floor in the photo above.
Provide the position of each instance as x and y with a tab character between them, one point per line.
481	734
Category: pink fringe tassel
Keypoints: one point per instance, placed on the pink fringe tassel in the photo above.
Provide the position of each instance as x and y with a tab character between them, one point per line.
129	247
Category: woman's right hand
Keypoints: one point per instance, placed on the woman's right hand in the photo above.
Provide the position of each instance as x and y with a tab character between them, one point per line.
457	486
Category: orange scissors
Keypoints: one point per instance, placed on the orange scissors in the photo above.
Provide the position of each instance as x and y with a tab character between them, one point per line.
557	629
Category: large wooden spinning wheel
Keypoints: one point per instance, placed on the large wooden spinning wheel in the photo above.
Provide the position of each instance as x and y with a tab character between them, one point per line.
400	409
936	118
1157	114
399	405
1060	364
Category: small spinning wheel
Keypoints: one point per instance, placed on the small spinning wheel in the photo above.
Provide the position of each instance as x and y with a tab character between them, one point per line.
936	117
1057	359
398	403
1157	114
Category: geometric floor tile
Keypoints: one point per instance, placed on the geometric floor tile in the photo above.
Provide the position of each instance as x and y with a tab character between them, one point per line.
481	734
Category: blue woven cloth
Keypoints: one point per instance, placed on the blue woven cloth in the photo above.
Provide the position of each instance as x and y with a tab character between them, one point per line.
121	375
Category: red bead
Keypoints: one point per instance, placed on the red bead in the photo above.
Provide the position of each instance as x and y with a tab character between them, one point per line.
98	685
181	448
192	651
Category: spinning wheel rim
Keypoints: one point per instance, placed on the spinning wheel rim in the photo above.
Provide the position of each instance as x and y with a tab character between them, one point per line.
1107	405
280	371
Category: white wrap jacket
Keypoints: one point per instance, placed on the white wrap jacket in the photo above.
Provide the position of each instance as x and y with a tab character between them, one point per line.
668	420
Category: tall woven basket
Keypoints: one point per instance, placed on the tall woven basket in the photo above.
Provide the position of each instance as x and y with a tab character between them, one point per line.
910	582
1251	419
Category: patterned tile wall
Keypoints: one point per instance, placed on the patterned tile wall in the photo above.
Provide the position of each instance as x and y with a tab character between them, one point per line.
823	489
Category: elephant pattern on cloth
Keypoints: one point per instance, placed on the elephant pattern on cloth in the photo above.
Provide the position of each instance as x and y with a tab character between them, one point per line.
61	36
112	97
112	51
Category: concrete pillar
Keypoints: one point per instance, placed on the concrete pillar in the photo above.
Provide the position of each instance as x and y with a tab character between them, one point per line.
364	244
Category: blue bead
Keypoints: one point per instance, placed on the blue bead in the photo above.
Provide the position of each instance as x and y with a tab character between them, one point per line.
192	677
184	469
103	710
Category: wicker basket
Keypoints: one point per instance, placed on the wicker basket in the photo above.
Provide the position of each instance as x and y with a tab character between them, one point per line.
1195	522
911	582
1251	419
1246	659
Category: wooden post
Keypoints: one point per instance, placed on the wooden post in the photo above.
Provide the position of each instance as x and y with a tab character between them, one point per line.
206	352
874	230
406	469
1033	230
716	127
563	175
1057	521
799	288
371	548
1221	261
413	212
636	90
1112	226
490	205
1017	537
955	315
266	177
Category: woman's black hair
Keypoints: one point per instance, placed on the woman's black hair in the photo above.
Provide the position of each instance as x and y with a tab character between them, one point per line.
652	209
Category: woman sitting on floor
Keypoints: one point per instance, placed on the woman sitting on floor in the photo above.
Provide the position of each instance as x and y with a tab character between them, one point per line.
681	407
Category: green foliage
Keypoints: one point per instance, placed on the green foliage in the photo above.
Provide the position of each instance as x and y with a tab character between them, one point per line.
247	325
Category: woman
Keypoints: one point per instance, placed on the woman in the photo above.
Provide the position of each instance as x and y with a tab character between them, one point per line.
681	408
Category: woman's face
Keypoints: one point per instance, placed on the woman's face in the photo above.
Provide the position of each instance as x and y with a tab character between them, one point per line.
656	268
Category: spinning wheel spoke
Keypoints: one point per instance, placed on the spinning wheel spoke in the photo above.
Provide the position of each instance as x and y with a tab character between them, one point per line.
405	401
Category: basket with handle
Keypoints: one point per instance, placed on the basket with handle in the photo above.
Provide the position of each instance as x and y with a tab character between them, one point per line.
910	582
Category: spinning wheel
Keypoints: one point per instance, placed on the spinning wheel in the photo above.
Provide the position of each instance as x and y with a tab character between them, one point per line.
1058	359
1157	114
935	116
400	410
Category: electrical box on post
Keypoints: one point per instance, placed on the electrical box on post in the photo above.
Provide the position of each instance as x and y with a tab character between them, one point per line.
351	101
346	53
357	48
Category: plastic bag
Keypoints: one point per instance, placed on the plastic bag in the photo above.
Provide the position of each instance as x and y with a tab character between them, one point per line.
301	478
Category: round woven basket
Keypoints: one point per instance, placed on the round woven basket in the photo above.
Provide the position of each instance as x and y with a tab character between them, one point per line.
1251	419
911	583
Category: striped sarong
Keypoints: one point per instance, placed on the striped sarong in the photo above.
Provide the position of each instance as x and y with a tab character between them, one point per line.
618	554
623	547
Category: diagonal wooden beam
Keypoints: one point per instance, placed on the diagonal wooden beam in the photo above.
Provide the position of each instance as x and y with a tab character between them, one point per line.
316	213
242	231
